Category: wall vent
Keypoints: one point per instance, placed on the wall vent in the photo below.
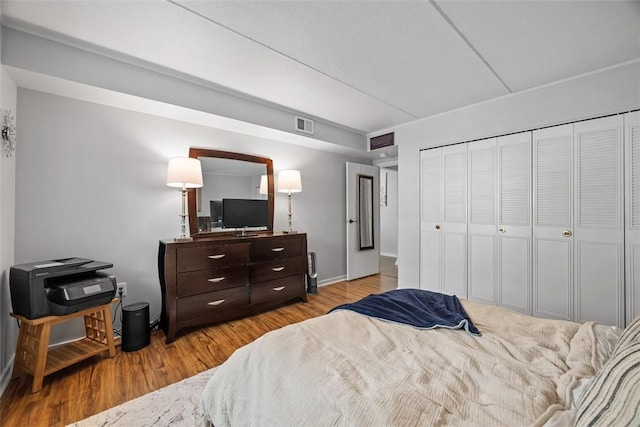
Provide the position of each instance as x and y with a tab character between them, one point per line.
381	141
304	125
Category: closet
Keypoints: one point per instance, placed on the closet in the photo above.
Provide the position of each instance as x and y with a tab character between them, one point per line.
535	221
444	220
514	222
578	226
476	220
632	213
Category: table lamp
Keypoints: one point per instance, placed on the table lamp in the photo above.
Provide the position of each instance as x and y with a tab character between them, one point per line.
183	173
289	182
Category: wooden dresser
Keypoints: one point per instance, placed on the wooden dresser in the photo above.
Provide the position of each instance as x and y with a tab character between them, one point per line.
216	279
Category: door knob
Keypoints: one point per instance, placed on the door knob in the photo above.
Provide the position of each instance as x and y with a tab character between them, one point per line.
567	233
437	226
351	221
502	229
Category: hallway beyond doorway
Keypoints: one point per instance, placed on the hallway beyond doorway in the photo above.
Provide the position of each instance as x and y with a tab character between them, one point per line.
388	266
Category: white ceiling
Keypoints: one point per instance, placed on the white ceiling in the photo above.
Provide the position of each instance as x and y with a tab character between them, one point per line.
366	65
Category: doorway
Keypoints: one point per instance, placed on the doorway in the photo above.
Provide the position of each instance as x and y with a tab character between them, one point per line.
362	220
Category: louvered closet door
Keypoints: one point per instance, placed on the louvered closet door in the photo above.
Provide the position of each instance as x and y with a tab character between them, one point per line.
599	221
431	208
482	239
454	220
632	218
553	222
514	222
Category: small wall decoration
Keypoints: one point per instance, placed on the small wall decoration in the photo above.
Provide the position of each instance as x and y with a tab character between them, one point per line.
8	133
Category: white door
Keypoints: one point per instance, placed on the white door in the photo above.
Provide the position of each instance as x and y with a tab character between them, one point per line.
514	221
482	239
362	262
443	227
431	219
598	233
454	220
632	201
553	222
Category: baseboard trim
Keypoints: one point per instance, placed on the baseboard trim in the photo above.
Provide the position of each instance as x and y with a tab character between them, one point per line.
332	280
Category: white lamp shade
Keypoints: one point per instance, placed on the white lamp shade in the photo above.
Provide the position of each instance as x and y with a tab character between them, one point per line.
184	172
264	185
289	181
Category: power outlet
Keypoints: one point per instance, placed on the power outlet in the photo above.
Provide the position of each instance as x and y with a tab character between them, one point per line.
122	287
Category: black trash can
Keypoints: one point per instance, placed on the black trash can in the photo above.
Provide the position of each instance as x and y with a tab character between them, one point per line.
136	333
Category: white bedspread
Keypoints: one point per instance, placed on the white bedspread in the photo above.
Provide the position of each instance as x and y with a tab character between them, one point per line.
347	369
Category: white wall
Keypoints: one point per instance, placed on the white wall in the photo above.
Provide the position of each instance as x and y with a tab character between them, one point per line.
90	182
610	91
8	328
389	216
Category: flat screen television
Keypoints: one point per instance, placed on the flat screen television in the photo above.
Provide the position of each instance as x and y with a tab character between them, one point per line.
239	213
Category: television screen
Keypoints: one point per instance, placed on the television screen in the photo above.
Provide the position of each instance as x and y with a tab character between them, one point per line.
238	213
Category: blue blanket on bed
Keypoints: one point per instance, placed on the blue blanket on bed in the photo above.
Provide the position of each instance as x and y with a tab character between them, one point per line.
419	308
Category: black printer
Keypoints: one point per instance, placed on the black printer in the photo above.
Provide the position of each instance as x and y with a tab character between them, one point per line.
59	287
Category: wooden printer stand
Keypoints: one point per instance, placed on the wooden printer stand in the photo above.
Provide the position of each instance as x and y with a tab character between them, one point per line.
33	355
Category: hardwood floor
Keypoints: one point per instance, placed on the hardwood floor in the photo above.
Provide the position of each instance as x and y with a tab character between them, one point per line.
100	383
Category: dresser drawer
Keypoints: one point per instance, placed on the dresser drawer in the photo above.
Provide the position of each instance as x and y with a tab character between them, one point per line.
211	304
212	256
202	281
275	269
277	290
275	248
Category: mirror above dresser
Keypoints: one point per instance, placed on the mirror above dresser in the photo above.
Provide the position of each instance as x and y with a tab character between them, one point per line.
246	185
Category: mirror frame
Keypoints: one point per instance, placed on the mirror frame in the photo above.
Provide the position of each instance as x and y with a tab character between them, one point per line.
366	230
191	193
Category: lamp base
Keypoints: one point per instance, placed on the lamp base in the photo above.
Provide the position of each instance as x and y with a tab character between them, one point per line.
290	232
183	239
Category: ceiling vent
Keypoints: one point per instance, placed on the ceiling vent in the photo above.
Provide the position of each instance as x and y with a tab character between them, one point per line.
381	141
304	125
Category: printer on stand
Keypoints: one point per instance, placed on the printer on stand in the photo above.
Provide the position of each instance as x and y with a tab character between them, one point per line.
59	287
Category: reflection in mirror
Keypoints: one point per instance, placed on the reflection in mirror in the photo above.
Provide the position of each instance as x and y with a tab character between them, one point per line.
365	211
226	179
240	184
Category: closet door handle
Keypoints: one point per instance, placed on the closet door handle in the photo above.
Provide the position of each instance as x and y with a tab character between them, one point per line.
277	249
279	288
217	256
437	226
214	303
277	268
567	233
216	279
502	229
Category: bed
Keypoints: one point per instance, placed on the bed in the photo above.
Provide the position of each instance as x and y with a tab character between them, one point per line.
348	368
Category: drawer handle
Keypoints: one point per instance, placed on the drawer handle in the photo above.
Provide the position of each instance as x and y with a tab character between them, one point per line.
277	268
277	249
279	288
217	256
215	279
213	303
